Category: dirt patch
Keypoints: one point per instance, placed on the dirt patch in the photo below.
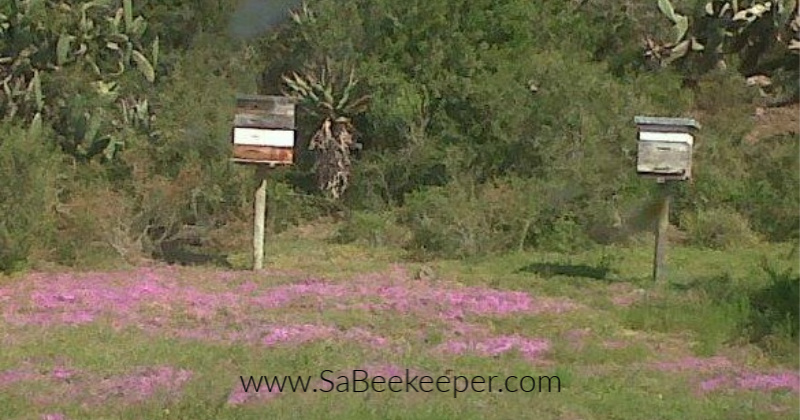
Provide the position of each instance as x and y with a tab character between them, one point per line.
771	122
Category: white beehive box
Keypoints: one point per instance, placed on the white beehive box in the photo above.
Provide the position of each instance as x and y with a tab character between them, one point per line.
665	147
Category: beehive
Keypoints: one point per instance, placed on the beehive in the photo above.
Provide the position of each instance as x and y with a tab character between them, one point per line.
665	147
264	130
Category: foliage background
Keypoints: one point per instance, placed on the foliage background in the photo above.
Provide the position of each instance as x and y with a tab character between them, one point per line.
461	157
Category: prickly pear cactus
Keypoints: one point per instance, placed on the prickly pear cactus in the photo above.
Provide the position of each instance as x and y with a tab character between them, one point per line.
42	41
763	36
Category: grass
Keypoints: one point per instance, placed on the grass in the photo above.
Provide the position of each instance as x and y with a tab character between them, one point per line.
621	346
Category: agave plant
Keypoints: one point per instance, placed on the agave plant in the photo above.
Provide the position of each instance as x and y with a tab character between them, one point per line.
327	95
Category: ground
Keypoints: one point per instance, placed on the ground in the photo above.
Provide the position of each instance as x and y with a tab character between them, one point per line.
172	342
771	122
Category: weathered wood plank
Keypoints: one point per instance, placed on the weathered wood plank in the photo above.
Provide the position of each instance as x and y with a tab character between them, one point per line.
263	153
666	129
269	163
260	217
247	119
667	121
668	158
274	105
662	224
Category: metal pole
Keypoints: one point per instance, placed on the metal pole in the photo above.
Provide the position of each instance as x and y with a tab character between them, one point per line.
260	216
661	226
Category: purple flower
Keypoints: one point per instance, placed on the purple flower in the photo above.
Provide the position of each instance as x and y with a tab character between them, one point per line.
297	334
714	383
530	348
11	377
695	364
768	382
754	381
363	336
143	383
399	295
241	396
62	373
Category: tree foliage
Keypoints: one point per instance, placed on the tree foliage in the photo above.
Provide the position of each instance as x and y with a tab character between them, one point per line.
68	65
756	37
491	124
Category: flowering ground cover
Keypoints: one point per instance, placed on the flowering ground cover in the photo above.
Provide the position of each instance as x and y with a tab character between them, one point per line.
176	342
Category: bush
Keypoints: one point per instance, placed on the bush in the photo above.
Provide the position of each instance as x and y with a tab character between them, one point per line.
92	231
441	221
723	310
720	228
772	188
372	229
463	219
29	175
564	234
776	306
765	312
287	207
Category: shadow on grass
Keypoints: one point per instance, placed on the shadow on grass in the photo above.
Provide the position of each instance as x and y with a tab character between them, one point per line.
548	270
191	256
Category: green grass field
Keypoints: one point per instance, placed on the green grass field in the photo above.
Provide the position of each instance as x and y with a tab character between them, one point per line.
172	342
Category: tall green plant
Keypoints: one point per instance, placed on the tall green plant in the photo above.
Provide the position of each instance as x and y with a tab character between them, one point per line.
330	93
759	38
29	175
47	45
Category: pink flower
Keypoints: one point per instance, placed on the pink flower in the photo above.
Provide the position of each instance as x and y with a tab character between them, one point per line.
530	348
695	364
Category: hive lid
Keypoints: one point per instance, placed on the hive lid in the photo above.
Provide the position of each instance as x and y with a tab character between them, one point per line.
270	98
663	121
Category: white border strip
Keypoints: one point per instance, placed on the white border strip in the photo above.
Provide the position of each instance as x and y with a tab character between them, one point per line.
668	137
263	137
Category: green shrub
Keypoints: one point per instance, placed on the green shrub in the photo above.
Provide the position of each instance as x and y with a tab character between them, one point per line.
776	306
442	222
29	175
466	219
287	207
563	234
721	310
93	232
719	228
372	229
770	317
463	219
772	187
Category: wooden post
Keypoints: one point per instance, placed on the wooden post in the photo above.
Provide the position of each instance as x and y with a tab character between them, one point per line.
661	226
260	216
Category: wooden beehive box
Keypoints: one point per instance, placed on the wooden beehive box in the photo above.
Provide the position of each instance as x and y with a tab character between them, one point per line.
264	130
665	147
